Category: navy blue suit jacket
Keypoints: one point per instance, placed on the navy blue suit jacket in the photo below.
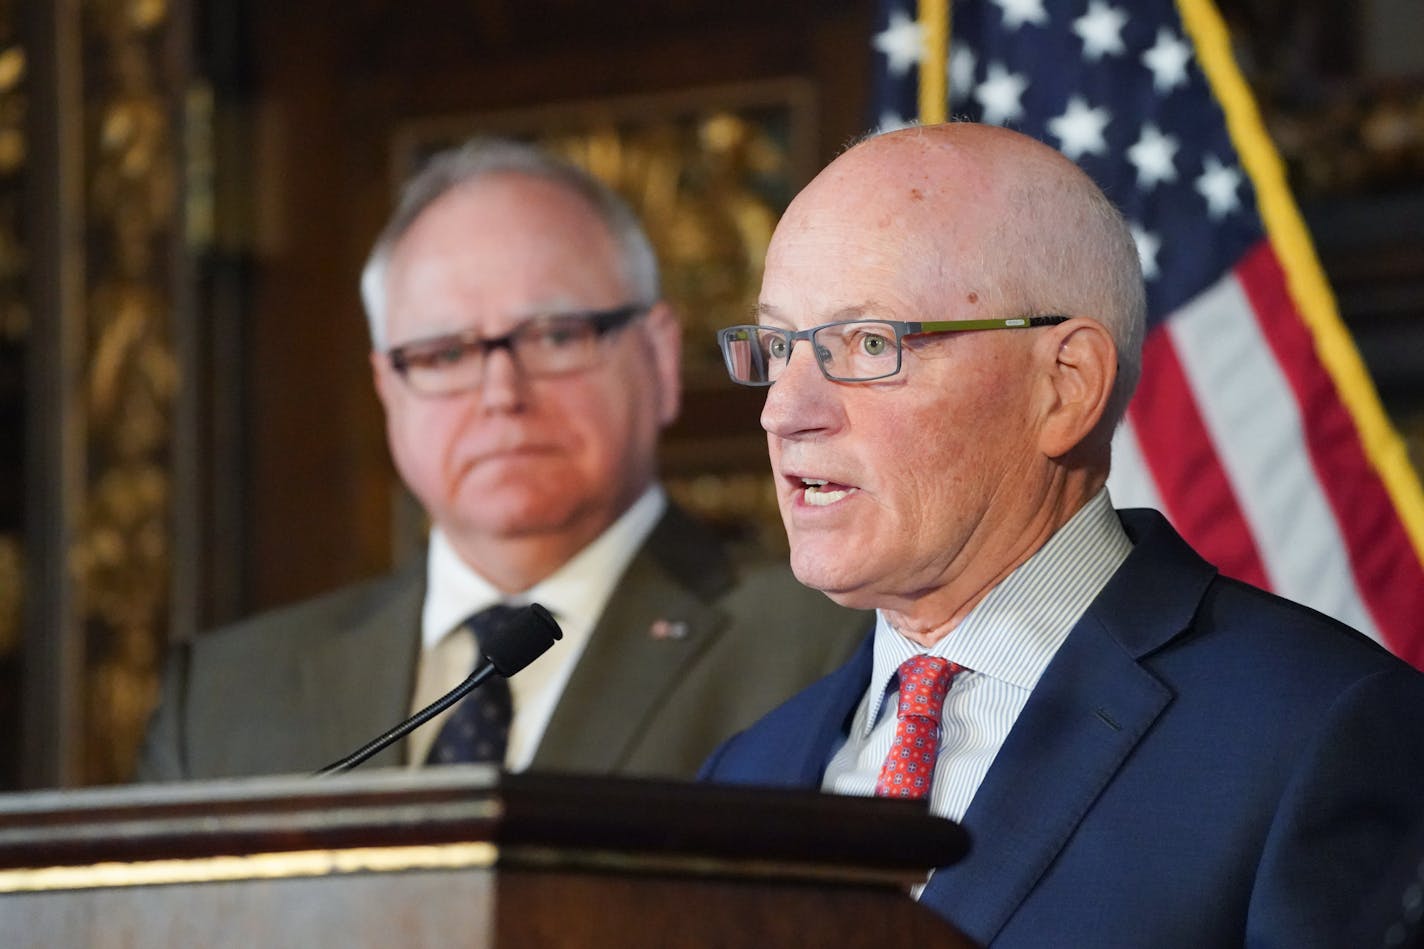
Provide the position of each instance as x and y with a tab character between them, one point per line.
1202	764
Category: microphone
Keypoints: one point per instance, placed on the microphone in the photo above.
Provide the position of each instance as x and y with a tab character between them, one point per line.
525	636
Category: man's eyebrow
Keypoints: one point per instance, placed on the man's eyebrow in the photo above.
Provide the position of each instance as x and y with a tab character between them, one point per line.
859	311
764	314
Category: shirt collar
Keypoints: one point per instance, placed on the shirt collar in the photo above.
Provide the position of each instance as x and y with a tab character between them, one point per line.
1015	631
579	588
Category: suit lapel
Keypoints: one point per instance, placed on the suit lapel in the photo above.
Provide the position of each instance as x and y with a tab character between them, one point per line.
1089	710
356	683
659	620
831	711
791	745
1092	706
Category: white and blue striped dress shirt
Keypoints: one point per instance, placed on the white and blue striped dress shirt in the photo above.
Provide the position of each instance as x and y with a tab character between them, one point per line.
1004	644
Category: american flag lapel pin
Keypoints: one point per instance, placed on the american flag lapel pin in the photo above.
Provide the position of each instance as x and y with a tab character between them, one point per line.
668	629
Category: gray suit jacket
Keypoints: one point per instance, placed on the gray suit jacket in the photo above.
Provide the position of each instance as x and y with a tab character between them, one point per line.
292	690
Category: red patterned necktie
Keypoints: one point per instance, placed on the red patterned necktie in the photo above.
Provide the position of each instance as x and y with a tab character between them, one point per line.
908	770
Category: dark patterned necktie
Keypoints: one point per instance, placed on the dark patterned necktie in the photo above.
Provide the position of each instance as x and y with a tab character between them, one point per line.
478	729
908	770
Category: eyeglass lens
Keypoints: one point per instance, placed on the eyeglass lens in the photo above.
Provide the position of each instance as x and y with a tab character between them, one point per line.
852	351
546	346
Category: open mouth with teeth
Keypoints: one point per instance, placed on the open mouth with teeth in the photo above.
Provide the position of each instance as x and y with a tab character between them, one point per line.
822	493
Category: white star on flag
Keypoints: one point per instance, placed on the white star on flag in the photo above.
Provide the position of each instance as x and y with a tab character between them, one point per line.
1152	156
1080	129
1100	29
902	43
1218	184
1019	12
1168	60
1148	244
1001	94
961	71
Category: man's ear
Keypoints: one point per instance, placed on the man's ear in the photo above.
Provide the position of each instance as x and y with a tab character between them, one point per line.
664	335
1080	360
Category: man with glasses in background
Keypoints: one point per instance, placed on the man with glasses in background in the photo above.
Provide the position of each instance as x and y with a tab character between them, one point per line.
1143	752
526	364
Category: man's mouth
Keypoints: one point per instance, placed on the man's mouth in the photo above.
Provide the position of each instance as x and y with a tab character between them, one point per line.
820	493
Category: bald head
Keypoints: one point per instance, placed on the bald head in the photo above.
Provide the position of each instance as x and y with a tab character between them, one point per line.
918	486
988	222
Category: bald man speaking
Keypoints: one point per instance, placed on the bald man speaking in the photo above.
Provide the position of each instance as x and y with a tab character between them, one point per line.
1145	753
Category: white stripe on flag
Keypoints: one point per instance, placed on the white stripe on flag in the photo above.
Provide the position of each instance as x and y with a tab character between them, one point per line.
1131	483
1254	421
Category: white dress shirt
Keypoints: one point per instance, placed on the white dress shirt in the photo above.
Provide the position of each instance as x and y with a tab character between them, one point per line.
576	594
1004	644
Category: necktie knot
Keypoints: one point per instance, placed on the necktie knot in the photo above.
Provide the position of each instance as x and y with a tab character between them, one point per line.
909	767
924	682
485	622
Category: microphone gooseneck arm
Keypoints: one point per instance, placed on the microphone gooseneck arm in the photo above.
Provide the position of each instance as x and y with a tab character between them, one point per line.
521	640
482	672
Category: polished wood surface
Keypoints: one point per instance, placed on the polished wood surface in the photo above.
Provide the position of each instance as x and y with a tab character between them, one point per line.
666	819
470	857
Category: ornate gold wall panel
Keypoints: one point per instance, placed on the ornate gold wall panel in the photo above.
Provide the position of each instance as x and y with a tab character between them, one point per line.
1356	142
121	557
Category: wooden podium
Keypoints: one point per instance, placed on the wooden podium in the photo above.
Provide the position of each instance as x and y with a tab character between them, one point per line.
466	856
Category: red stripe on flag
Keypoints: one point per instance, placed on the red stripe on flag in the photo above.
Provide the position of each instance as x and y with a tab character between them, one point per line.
1177	449
1387	571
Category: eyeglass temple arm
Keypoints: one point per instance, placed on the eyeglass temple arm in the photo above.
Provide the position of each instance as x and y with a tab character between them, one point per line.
1017	322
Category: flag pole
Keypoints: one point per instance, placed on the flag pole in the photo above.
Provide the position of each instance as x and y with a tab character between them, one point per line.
934	77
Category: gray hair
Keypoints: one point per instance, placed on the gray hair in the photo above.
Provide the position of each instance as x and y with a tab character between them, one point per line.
482	157
1125	298
1081	261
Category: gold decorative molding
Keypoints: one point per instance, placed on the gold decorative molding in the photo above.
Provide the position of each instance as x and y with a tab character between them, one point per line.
1345	119
1356	141
259	866
121	557
14	107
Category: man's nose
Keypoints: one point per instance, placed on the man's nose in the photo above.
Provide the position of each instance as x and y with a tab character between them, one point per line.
802	399
502	385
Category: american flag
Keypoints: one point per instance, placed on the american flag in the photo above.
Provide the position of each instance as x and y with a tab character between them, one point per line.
1255	429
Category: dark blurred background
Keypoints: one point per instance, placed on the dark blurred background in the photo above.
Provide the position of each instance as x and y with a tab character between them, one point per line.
188	189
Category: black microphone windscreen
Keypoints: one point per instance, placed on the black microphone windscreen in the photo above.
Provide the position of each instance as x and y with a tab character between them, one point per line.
525	636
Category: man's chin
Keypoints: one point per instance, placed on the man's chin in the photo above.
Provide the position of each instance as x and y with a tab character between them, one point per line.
500	518
525	528
831	579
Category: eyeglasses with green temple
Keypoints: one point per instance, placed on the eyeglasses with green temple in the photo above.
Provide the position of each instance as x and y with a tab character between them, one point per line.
846	351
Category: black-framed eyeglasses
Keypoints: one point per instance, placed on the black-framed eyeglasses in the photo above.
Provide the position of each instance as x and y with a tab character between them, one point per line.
847	351
552	345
